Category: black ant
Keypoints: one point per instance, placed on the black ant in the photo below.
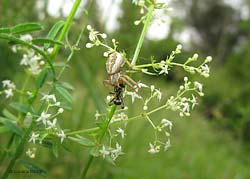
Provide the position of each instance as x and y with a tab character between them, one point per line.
118	99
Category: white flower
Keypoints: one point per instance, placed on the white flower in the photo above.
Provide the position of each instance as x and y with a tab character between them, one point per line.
33	137
8	84
164	69
43	118
193	101
97	115
60	110
14	48
89	45
179	47
104	36
50	50
61	135
145	108
31	152
8	93
205	70
49	97
141	85
209	59
51	125
157	93
26	37
166	123
104	152
152	87
105	54
186	107
133	96
116	152
121	132
167	145
119	117
153	149
198	86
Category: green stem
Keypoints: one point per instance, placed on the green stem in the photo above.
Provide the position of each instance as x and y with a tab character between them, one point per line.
65	28
143	33
111	114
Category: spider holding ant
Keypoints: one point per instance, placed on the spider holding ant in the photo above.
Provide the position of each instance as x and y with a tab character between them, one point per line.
117	79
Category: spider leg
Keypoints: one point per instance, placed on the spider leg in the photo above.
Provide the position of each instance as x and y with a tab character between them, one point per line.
111	101
127	82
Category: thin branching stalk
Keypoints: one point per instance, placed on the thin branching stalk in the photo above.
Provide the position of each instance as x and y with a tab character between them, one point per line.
143	33
104	130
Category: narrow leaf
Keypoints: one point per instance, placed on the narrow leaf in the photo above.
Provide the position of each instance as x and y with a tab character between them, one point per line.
4	129
12	126
21	107
4	30
33	168
9	115
46	41
41	78
26	27
63	92
82	140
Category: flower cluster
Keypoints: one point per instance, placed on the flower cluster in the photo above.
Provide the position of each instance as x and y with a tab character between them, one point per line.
9	87
31	60
112	152
48	121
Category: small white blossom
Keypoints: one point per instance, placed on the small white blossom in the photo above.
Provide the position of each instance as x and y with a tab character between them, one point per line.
121	132
8	93
33	137
164	69
31	152
157	93
119	117
49	97
61	135
50	50
166	123
153	149
60	110
193	101
199	86
209	59
105	54
167	145
145	108
186	108
51	125
205	70
104	152
8	84
26	37
97	115
133	95
152	87
104	36
89	45
141	85
116	152
89	27
43	118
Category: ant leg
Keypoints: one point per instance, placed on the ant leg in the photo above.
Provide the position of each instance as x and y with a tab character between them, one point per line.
111	102
122	104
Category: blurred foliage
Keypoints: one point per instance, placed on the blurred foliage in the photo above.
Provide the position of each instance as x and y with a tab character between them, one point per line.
201	146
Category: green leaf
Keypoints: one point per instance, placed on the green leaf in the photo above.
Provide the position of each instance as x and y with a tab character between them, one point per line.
5	30
12	126
41	78
55	148
33	168
46	41
83	141
67	85
4	129
21	108
63	92
9	115
55	29
26	27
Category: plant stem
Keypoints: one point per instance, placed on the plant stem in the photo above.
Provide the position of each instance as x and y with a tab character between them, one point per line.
143	33
104	130
65	28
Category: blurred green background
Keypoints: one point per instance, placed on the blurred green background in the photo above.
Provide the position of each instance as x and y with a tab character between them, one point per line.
212	143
